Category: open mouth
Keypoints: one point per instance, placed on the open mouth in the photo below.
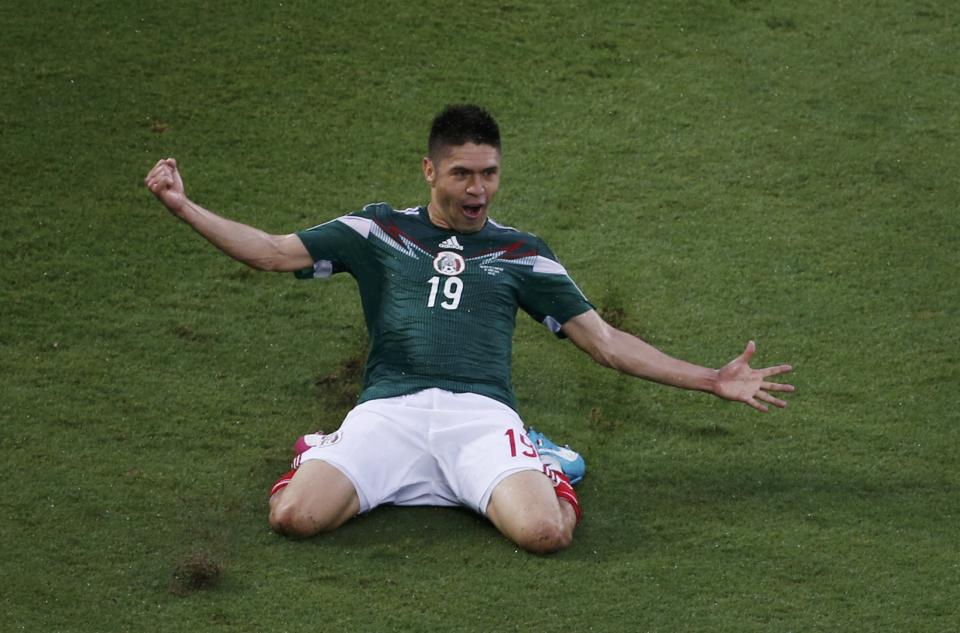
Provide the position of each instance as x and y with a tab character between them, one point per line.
472	210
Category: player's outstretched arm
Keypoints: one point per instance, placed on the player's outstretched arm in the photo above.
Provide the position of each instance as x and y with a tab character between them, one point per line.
244	243
629	354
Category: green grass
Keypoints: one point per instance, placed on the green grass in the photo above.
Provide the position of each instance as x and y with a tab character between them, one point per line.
709	172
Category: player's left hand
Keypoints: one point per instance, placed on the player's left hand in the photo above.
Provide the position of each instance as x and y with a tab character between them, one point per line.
738	381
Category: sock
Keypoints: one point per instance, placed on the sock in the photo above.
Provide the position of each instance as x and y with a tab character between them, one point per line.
282	482
563	489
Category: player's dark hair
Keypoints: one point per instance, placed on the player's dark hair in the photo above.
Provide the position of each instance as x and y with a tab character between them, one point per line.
461	124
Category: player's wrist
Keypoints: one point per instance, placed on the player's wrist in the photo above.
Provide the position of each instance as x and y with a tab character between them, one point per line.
711	381
181	207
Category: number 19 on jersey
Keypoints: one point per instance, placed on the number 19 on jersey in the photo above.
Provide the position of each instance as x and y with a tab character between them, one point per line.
452	291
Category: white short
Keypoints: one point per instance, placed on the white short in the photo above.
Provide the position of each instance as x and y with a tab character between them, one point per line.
432	447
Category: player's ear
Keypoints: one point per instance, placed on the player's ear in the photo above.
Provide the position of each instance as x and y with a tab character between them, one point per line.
429	171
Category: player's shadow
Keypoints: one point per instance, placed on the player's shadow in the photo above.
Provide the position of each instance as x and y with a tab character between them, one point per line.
667	503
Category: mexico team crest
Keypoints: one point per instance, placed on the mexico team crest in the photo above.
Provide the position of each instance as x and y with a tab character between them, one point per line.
450	264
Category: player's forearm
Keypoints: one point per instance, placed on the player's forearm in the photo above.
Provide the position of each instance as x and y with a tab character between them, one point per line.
633	356
242	242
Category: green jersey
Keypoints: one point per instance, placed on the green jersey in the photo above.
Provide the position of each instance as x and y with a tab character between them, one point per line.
440	306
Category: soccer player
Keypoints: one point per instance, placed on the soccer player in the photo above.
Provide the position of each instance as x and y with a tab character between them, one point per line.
436	421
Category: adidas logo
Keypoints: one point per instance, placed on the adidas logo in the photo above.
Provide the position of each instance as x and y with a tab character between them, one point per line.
451	242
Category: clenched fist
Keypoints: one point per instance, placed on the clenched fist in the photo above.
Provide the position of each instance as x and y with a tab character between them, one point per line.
165	183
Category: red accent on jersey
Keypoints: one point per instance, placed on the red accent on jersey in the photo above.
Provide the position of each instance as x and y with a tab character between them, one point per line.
509	252
399	236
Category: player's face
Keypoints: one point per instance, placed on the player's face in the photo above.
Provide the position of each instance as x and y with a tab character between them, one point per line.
463	181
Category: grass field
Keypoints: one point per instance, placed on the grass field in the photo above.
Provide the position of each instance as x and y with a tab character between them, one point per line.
709	172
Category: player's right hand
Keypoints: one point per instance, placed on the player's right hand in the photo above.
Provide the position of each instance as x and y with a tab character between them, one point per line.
165	183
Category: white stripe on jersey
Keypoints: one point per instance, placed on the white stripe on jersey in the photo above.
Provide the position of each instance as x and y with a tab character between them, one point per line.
543	264
409	248
501	226
360	225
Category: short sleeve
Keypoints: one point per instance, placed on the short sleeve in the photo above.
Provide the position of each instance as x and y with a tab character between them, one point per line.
548	294
335	246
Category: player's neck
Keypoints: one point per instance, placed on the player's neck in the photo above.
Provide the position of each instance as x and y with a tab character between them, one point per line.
436	218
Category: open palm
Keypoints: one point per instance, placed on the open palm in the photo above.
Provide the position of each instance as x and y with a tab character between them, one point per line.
740	382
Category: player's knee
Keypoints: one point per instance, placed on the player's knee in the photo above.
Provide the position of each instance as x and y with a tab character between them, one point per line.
545	536
286	520
292	519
